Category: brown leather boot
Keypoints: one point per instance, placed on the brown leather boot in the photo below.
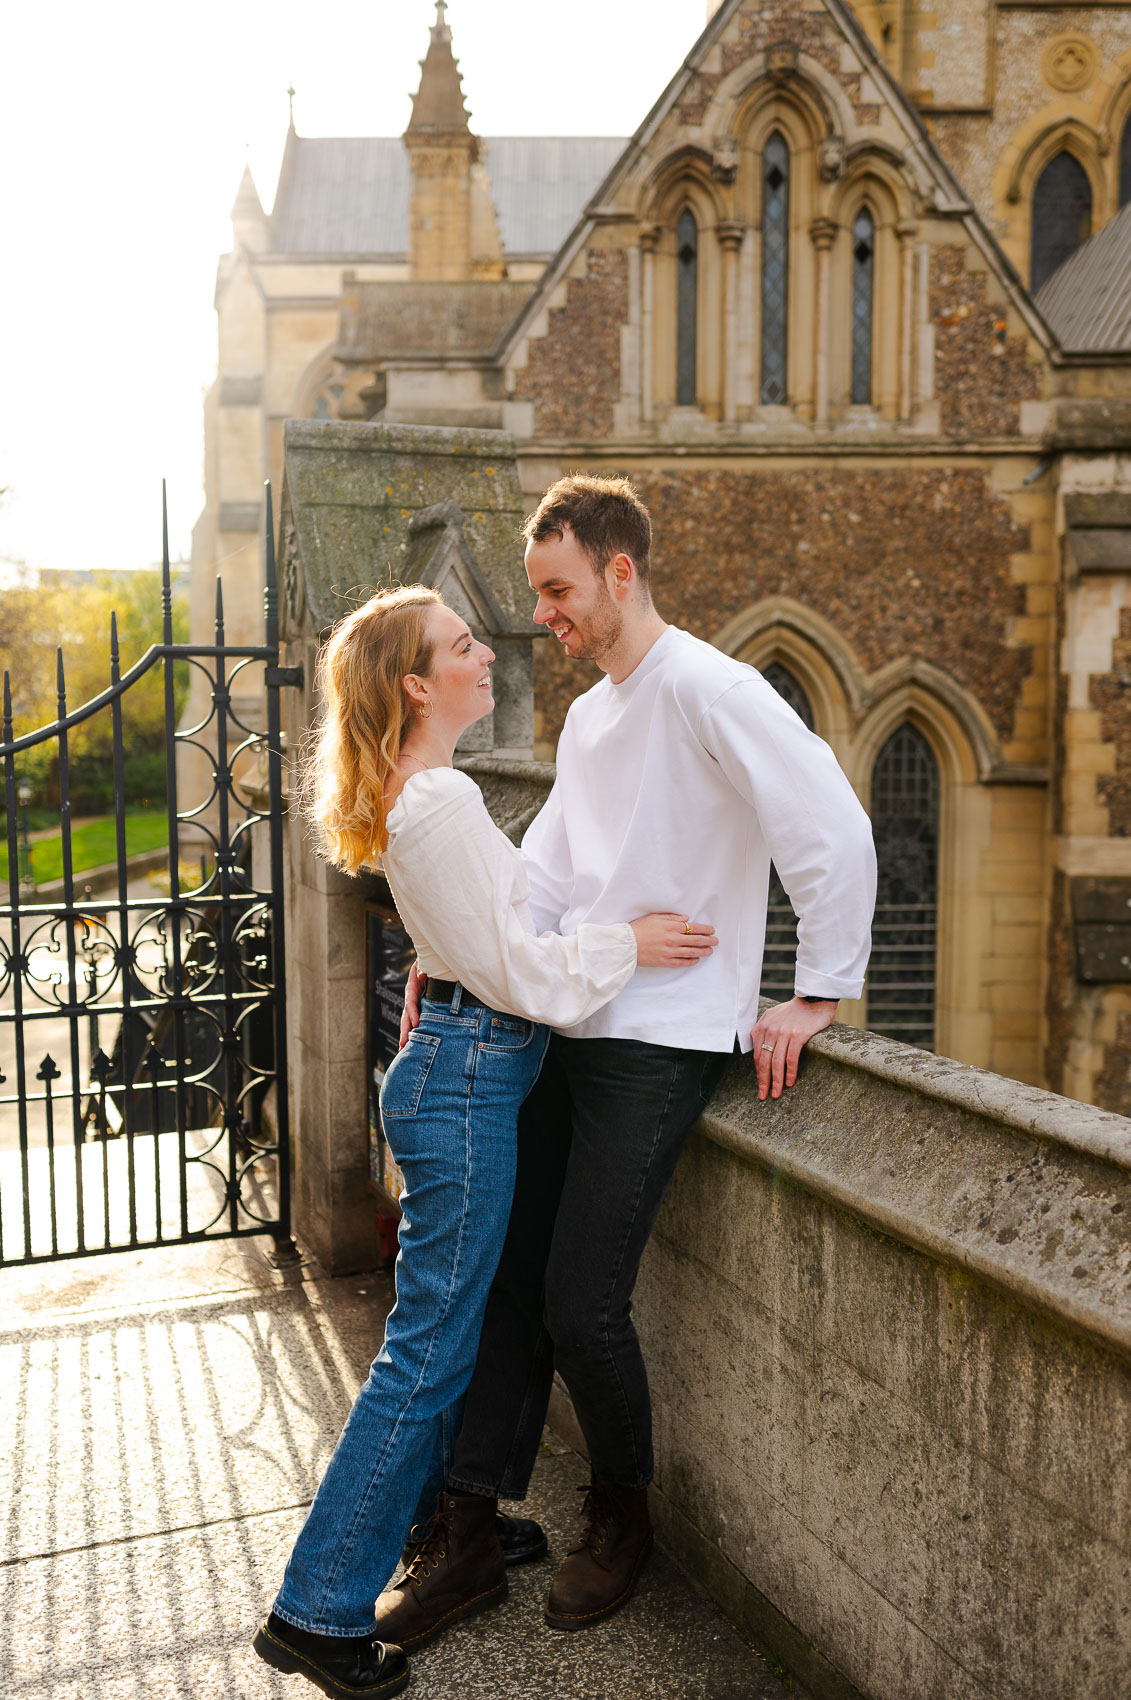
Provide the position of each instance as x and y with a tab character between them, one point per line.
456	1570
601	1567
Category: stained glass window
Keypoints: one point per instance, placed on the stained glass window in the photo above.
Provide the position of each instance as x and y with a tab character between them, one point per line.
1061	217
905	823
1125	165
687	289
780	956
863	271
775	269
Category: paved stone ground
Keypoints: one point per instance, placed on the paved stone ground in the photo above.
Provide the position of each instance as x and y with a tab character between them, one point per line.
164	1419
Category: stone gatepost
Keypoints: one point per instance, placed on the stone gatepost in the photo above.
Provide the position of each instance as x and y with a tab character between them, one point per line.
364	506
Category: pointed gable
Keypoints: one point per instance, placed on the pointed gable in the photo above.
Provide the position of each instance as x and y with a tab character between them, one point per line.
805	285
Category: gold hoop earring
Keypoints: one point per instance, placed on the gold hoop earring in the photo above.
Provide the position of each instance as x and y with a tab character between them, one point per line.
431	707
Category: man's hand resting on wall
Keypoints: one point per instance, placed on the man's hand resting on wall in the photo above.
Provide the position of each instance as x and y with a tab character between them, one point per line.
781	1035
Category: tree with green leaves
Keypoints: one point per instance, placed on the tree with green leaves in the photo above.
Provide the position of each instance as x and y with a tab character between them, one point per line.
37	618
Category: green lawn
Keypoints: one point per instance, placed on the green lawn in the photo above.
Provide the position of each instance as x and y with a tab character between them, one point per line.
94	844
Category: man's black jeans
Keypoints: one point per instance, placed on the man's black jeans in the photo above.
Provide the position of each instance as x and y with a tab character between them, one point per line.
598	1141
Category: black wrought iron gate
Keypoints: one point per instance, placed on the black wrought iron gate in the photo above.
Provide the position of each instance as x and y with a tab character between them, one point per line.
141	1034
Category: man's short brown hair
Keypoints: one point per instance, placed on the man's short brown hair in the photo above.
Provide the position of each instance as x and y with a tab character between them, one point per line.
605	515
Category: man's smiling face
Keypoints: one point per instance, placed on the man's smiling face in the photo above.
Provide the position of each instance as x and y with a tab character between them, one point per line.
573	599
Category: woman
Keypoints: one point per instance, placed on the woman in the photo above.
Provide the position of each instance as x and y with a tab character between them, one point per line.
401	679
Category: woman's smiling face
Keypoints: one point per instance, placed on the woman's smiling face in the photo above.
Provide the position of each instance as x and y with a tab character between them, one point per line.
459	684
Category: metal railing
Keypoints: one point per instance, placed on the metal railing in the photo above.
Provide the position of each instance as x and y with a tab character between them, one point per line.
167	1013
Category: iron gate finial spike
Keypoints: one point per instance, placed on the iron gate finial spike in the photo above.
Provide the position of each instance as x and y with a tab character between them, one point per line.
166	577
60	682
114	674
7	709
219	611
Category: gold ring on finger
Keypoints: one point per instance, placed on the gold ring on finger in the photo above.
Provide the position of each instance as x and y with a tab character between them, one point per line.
767	1048
687	926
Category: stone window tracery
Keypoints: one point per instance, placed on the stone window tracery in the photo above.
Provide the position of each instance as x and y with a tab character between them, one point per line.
863	279
780	955
1061	216
905	824
687	308
775	270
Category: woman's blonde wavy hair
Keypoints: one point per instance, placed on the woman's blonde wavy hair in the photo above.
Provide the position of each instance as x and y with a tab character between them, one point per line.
366	715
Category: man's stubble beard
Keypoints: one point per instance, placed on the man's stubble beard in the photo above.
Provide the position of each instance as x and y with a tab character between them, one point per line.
601	631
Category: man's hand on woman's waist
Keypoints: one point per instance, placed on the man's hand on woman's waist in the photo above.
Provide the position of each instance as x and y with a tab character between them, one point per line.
413	992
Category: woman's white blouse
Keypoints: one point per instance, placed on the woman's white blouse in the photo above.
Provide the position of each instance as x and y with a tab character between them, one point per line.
461	890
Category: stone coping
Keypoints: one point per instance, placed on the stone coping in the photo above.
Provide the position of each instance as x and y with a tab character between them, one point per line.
331	436
1028	1109
1018	1187
539	773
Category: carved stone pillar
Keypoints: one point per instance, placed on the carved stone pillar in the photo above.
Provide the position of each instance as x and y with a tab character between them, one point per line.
428	505
906	233
730	240
823	231
649	240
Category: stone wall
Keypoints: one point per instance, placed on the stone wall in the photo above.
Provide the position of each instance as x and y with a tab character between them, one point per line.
888	1326
982	374
572	374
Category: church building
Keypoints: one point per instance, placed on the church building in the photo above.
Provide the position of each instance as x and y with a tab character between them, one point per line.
852	308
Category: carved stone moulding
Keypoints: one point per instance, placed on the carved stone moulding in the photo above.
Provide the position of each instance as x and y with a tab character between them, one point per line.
724	160
781	61
1069	63
830	158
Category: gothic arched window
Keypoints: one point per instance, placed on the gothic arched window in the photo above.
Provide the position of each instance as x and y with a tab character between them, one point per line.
1125	165
905	824
1061	216
780	956
863	274
775	269
687	306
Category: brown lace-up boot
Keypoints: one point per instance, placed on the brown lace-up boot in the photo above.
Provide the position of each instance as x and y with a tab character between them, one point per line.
600	1570
456	1570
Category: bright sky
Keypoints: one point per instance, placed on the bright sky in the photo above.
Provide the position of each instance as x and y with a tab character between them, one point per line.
124	128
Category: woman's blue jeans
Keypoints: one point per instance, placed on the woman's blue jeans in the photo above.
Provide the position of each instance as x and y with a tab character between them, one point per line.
449	1106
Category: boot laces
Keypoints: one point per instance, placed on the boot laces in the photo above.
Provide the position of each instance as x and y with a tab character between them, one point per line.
432	1544
597	1508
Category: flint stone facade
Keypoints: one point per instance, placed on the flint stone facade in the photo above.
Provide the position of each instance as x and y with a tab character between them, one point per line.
919	558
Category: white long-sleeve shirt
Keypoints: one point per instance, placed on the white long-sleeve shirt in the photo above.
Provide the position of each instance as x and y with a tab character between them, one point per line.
461	890
675	789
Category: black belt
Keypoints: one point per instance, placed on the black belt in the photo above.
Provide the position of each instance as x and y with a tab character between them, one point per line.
443	991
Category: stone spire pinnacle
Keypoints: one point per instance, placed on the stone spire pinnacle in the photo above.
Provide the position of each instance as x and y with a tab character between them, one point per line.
438	109
247	207
249	221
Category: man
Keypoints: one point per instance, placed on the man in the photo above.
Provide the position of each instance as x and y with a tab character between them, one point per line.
680	775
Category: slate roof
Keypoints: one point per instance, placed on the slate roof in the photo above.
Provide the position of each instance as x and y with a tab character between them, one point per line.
1087	300
349	195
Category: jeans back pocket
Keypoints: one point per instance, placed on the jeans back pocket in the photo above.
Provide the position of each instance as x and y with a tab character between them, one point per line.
403	1085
